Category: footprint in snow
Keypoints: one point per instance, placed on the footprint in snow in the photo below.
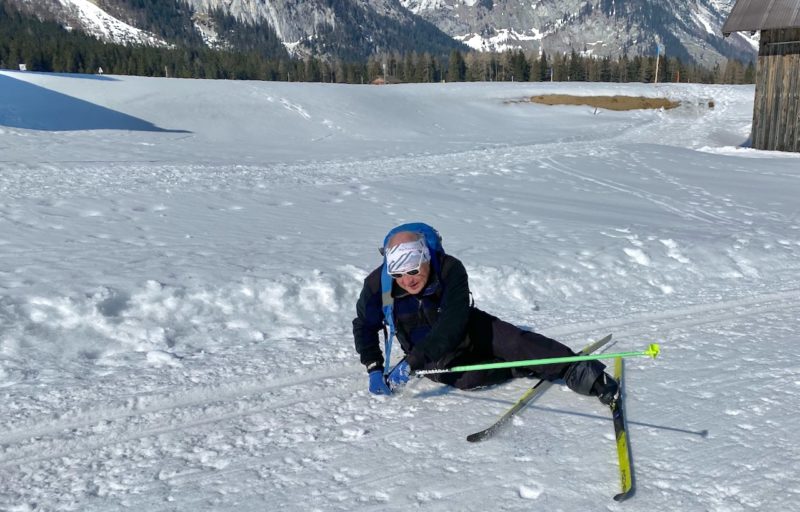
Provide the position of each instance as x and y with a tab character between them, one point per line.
530	492
162	358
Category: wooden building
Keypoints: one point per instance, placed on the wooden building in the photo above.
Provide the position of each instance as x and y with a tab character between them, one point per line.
776	111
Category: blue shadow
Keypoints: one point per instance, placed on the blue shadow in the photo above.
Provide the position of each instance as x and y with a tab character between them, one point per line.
84	76
29	106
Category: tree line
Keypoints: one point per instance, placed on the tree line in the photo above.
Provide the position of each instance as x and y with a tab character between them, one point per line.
516	65
46	46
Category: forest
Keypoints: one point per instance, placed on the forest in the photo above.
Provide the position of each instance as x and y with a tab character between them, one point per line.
46	46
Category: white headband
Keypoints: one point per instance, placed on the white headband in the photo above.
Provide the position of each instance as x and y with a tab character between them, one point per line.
406	256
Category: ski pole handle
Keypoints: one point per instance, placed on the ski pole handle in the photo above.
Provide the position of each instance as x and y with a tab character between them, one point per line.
653	350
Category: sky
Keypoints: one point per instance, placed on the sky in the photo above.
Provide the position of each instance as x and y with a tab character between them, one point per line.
180	262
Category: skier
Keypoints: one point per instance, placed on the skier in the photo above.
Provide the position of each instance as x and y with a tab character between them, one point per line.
429	305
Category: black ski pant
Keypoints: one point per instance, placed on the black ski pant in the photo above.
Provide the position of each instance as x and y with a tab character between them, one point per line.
494	340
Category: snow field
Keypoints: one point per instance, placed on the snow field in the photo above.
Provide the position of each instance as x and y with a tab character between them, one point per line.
178	279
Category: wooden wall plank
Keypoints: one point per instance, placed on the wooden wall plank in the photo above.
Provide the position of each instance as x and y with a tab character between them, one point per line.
776	106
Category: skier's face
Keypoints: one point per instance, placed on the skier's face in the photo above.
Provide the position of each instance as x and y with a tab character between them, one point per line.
410	279
416	283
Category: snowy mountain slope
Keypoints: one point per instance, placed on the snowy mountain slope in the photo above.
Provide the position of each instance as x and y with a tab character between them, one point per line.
345	29
355	29
88	16
177	282
109	28
349	29
689	30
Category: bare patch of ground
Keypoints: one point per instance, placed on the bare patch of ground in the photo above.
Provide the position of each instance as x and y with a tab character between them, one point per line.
607	102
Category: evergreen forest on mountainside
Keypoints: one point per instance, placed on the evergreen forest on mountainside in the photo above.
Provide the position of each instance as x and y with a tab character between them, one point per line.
254	52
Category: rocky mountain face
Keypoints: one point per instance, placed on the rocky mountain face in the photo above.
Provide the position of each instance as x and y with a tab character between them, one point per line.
347	29
355	29
688	29
341	28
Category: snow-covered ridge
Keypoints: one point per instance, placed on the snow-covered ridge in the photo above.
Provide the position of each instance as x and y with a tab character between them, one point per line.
504	39
692	28
98	22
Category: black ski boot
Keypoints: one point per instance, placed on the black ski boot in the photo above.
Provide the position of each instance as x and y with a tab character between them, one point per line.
605	388
588	378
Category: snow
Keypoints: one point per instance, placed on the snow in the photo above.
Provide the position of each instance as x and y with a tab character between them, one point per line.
499	42
108	27
418	6
704	18
752	39
180	259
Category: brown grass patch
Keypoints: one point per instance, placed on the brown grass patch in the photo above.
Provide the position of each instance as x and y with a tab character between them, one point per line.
607	102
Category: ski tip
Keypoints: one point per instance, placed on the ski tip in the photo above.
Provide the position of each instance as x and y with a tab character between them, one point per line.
477	437
486	433
623	496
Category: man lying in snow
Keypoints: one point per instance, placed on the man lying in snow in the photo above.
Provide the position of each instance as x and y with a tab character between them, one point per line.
423	295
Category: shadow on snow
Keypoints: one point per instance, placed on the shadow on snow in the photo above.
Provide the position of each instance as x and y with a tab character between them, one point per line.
29	106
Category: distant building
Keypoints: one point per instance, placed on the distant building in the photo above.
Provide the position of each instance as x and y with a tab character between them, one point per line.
388	81
776	111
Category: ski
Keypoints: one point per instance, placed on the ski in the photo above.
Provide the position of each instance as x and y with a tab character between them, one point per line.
621	435
530	395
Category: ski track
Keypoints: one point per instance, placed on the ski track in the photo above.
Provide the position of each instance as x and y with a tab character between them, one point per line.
623	328
243	409
21	180
668	204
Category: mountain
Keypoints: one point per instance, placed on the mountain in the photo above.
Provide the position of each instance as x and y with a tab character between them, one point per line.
88	17
342	28
689	30
346	29
356	29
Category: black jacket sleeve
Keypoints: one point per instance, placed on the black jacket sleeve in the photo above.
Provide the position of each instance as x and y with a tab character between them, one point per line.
369	322
449	332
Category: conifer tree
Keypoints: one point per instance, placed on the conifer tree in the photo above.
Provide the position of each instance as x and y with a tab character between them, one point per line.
457	69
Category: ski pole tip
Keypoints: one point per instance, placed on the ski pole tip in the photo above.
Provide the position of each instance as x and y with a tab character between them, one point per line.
653	350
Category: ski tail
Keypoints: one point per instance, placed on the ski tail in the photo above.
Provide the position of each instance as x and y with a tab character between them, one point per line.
621	434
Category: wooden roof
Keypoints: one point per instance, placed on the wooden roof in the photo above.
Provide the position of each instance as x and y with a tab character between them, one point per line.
752	15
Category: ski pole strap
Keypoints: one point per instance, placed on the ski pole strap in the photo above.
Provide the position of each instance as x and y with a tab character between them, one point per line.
652	351
387	341
387	349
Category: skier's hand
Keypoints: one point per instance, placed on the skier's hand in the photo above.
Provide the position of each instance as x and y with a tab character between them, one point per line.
399	375
377	386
